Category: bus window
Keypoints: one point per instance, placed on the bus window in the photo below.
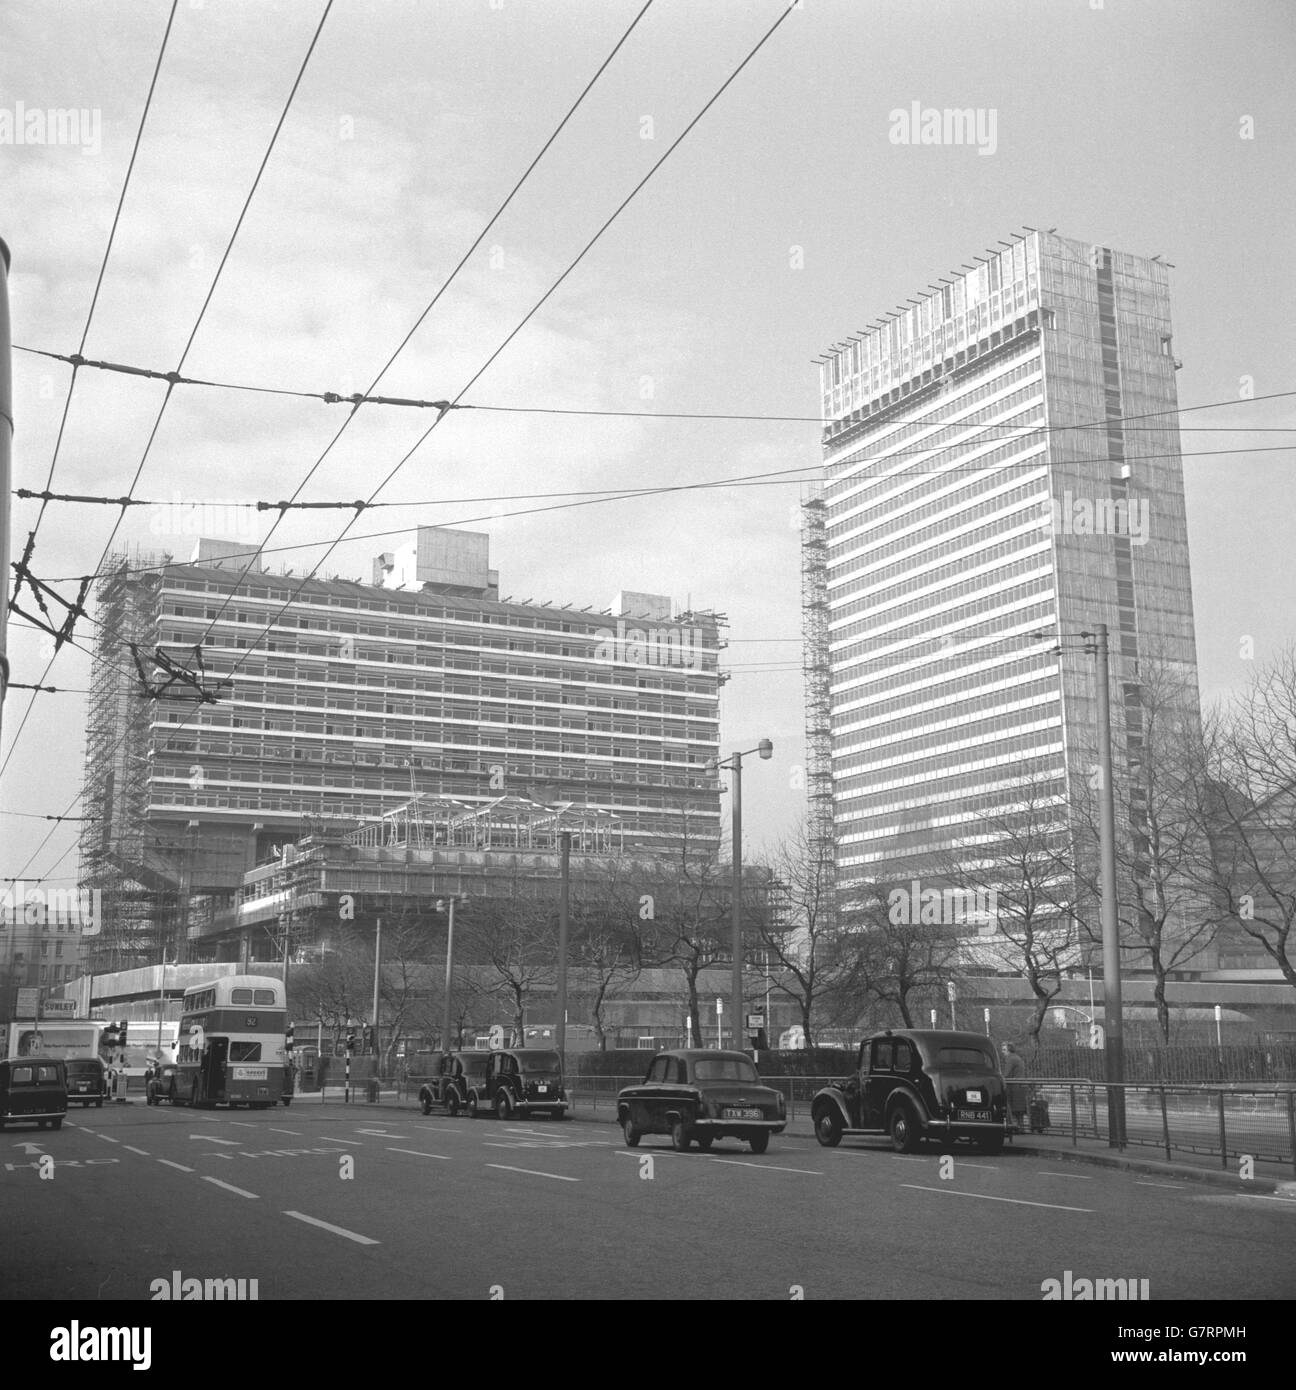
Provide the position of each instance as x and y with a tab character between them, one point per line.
245	1052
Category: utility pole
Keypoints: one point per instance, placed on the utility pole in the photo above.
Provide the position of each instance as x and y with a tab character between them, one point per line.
564	927
377	970
736	983
6	469
1114	1053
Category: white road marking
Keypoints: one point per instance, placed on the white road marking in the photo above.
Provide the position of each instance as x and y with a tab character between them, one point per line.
355	1143
143	1153
418	1153
212	1139
111	1141
772	1167
1077	1177
295	1132
244	1124
328	1226
229	1187
989	1167
558	1177
382	1134
181	1166
1175	1185
1266	1197
983	1197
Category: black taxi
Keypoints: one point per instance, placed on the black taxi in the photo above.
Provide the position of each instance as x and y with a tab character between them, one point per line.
33	1089
700	1095
519	1081
458	1075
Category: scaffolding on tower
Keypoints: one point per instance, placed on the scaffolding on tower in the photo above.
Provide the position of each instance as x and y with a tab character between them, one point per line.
814	666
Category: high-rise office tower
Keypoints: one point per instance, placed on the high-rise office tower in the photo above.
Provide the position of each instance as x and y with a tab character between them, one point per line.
1001	459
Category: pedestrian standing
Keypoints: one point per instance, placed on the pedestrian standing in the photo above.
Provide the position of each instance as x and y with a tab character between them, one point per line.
1014	1069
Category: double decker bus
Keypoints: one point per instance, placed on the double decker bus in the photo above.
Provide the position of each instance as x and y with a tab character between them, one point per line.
231	1045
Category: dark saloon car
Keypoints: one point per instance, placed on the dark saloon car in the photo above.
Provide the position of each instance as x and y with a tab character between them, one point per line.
916	1085
33	1089
458	1073
699	1096
520	1081
87	1080
163	1085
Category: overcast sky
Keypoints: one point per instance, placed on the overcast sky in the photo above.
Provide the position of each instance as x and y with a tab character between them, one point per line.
787	219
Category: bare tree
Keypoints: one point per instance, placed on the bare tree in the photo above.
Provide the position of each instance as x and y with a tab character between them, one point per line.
802	940
1163	914
1249	816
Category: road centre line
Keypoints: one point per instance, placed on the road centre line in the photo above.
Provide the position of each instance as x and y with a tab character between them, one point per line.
229	1187
772	1167
110	1140
328	1226
985	1197
418	1153
1267	1197
558	1177
1176	1185
295	1132
181	1166
355	1143
143	1153
244	1124
1050	1173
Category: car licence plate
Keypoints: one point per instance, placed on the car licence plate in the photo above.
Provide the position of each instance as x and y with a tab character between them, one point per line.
542	1090
740	1112
972	1115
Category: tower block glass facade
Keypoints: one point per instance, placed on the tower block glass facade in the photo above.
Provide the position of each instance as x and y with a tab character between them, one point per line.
1001	460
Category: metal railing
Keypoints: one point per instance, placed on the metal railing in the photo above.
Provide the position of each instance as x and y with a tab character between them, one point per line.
1228	1121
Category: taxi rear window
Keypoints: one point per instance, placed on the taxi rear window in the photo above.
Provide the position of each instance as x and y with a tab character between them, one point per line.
964	1057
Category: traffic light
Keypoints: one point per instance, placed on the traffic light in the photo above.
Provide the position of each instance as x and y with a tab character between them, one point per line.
121	1035
288	1038
368	1037
350	1041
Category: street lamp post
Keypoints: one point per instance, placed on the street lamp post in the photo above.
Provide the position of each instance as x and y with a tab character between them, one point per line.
564	927
766	750
442	905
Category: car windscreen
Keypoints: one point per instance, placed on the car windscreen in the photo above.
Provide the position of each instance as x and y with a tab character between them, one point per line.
724	1069
84	1067
965	1057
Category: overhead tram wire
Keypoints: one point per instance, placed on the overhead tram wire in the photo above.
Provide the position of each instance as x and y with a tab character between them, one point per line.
366	398
584	251
193	333
103	264
441	291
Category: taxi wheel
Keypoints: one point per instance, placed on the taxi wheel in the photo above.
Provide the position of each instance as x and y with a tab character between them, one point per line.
472	1107
427	1105
903	1127
759	1142
704	1142
828	1129
503	1110
680	1138
632	1135
452	1105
